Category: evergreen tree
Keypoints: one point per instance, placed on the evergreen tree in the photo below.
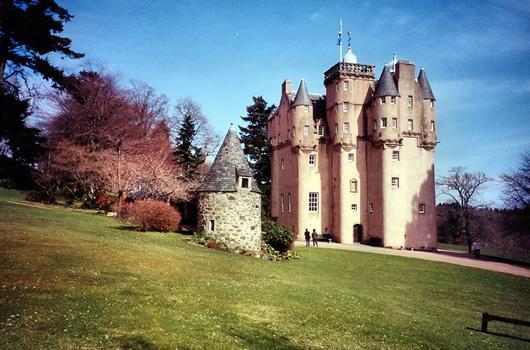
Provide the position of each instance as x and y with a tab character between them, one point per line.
187	155
256	146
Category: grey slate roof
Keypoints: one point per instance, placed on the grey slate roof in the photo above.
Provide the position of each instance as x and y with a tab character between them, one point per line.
425	88
319	106
386	85
302	96
229	163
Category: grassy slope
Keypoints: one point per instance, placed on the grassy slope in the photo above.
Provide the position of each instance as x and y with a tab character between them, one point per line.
71	279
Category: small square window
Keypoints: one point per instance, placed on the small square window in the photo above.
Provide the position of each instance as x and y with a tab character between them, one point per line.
345	107
346	128
395	182
212	225
393	100
306	130
383	122
394	123
351	157
395	156
410	125
354	207
383	100
353	185
312	159
409	101
245	182
346	86
371	207
321	130
421	208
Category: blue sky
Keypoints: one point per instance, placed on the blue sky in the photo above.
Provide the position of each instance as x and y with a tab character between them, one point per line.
221	53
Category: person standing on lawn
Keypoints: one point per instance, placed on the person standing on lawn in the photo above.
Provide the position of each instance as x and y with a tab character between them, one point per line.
307	238
314	234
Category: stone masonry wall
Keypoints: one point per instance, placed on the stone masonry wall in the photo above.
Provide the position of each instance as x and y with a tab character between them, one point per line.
237	218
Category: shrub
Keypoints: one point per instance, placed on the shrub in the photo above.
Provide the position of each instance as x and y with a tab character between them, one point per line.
277	236
152	215
39	196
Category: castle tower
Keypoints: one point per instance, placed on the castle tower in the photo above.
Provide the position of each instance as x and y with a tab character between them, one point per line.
229	205
349	87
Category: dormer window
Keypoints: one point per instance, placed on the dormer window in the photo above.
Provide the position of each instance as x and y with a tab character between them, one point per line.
245	182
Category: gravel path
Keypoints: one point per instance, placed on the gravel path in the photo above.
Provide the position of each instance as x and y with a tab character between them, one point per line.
447	256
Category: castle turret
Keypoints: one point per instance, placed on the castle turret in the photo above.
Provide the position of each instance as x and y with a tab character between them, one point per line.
229	206
385	110
429	112
302	118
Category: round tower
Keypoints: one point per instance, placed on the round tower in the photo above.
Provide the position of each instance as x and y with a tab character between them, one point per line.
229	205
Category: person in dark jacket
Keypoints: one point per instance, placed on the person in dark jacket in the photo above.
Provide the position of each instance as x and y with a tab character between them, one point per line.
307	238
314	235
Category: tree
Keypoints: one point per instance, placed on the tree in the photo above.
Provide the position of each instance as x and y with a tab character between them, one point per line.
516	195
194	138
256	145
28	33
462	187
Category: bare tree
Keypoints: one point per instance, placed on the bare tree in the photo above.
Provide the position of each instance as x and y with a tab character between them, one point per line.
462	187
516	193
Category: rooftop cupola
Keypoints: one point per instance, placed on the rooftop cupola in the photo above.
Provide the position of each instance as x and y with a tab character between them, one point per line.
350	57
425	88
386	85
302	96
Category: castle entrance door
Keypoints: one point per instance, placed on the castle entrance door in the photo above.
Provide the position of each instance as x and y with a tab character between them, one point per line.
358	233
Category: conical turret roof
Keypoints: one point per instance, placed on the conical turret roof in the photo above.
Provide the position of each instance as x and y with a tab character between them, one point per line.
425	88
229	163
302	96
386	85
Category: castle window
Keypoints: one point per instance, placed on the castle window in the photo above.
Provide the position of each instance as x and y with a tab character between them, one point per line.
371	207
353	185
306	130
282	164
421	208
394	123
383	99
395	156
393	100
313	202
334	182
321	130
409	101
306	109
432	125
281	204
432	103
289	207
337	87
345	107
336	128
395	182
410	125
212	225
245	182
289	134
354	207
383	122
375	124
346	86
312	159
351	157
346	128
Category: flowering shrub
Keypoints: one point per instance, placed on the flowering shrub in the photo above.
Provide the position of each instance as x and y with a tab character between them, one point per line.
153	215
277	236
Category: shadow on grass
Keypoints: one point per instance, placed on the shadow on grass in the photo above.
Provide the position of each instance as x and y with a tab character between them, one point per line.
254	338
138	342
126	228
500	334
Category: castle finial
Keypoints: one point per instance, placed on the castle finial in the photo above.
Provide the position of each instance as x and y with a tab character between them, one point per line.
349	40
394	62
232	128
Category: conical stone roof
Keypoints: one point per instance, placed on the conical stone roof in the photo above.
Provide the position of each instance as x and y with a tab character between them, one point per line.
229	163
386	85
425	87
302	96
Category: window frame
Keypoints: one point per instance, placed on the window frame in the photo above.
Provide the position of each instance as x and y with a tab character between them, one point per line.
394	182
394	123
312	161
384	122
395	155
313	202
422	208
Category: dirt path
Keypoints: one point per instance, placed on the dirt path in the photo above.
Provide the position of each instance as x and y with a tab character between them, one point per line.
447	256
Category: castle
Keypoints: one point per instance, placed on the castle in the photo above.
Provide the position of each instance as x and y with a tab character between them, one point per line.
358	160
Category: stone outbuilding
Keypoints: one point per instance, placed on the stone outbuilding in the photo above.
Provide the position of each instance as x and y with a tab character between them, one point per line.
229	205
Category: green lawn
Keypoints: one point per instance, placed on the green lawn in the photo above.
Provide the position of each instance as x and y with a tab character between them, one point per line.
71	279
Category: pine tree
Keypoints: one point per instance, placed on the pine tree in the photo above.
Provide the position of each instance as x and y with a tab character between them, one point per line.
256	146
187	155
